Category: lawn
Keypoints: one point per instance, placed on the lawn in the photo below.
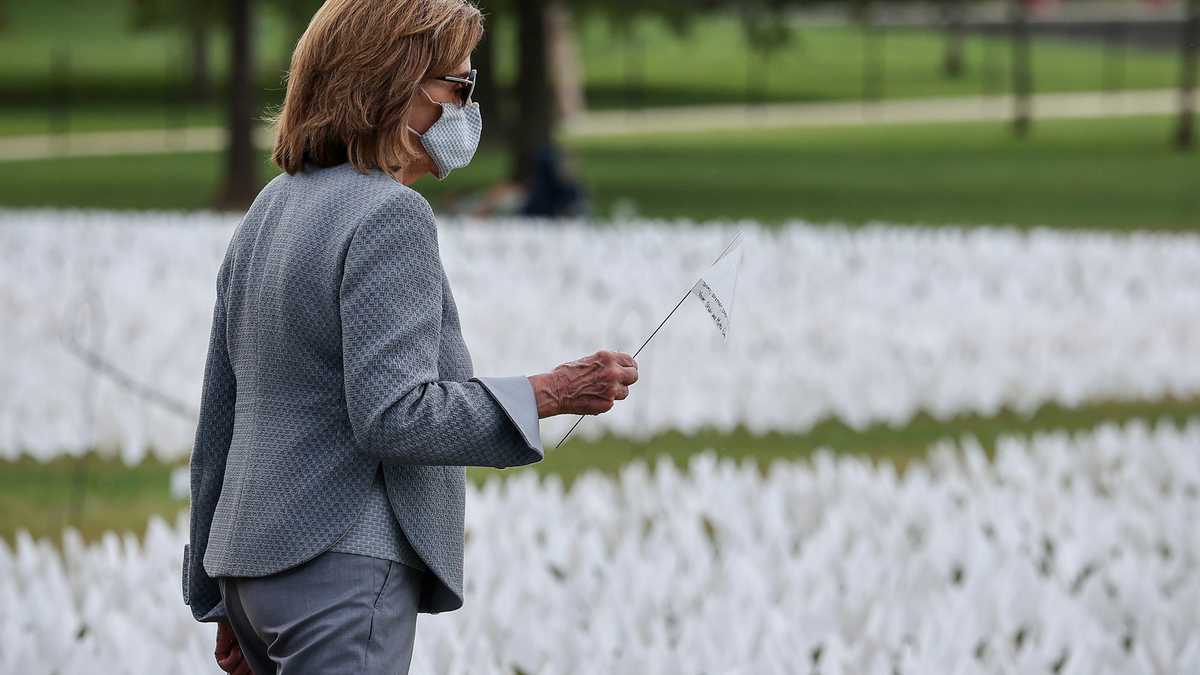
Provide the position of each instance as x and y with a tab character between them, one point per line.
96	494
827	63
52	49
1110	173
18	119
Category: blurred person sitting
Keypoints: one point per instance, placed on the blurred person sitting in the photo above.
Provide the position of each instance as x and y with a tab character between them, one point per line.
552	191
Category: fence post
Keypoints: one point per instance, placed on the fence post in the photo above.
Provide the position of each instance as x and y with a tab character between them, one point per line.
990	76
873	61
174	98
1189	33
1113	76
60	98
1021	74
634	68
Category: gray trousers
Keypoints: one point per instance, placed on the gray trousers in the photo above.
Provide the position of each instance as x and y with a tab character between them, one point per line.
337	613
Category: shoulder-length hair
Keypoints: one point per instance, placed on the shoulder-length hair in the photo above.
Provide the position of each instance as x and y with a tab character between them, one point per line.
354	76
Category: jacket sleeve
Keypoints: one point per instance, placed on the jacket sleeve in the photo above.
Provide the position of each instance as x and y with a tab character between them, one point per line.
214	431
391	314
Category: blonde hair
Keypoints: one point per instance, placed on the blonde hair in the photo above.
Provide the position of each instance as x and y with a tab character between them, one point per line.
353	78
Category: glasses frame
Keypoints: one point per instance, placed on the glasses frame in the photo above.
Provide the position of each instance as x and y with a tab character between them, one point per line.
468	80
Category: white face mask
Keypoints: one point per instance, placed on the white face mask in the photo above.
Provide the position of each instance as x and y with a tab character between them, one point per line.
452	140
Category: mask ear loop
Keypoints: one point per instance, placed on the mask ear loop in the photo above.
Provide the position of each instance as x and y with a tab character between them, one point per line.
437	103
409	127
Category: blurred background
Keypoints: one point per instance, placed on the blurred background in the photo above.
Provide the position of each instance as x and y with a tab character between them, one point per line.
974	218
168	97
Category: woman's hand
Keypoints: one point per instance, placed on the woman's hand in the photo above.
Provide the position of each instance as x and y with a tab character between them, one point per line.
586	386
229	652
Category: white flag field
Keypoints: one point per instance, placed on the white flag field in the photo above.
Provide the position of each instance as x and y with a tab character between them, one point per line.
716	289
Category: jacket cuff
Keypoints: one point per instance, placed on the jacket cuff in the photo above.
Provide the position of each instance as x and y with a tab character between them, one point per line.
217	613
187	568
515	395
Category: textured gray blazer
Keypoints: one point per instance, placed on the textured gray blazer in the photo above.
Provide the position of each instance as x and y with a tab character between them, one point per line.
335	347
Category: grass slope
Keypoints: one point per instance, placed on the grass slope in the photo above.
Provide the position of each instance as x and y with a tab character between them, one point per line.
1111	173
96	494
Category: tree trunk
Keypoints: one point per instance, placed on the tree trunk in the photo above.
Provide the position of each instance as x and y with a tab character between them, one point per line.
953	63
563	54
198	36
1185	132
535	103
1022	76
488	93
241	183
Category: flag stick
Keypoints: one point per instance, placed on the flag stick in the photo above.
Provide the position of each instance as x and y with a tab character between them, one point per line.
639	349
660	325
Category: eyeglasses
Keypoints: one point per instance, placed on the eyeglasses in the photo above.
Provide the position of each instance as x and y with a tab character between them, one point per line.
466	88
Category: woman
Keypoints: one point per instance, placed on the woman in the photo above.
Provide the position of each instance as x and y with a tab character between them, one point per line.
339	406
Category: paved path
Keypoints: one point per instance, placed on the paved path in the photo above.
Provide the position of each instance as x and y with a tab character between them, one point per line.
898	111
656	120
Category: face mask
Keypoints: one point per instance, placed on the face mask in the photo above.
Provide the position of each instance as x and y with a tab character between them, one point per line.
452	140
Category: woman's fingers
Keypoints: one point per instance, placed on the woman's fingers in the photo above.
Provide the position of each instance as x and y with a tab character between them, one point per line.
629	375
625	359
591	384
226	640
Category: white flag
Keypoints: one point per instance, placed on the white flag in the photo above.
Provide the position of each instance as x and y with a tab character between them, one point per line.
718	285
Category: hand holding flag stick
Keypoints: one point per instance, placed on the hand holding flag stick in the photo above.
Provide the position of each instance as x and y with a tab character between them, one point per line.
719	276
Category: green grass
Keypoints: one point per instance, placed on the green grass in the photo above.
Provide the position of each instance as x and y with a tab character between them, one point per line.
1118	173
178	181
109	65
880	442
92	493
29	119
826	63
96	495
1111	173
90	50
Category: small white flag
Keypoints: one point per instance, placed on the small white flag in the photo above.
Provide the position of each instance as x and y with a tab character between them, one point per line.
718	285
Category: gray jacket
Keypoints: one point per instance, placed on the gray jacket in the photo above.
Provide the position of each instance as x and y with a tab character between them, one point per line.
335	347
